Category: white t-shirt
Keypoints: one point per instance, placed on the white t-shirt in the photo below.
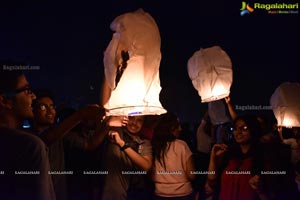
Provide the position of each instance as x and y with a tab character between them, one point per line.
173	181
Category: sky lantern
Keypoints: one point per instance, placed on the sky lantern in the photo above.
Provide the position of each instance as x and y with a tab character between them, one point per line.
131	66
285	102
210	70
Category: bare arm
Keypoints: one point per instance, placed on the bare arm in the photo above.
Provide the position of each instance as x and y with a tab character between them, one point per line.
190	168
97	139
92	112
217	150
144	162
256	185
102	128
231	110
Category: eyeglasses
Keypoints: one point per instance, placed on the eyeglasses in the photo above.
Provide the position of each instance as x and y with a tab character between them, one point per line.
45	106
241	128
27	90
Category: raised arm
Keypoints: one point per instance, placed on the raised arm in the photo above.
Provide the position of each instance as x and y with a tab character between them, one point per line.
144	162
190	167
102	128
90	112
216	152
231	110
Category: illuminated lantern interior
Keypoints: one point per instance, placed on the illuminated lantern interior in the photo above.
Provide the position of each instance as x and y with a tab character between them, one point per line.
131	66
210	70
285	102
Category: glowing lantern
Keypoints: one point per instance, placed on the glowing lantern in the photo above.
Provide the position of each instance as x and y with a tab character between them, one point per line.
285	103
210	70
131	65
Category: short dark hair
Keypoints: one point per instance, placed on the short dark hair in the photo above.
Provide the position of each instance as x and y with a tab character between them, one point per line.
8	78
41	93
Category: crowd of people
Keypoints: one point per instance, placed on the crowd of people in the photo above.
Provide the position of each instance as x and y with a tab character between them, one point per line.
84	154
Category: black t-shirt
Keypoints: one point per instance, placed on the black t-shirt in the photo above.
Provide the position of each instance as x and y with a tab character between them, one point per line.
24	167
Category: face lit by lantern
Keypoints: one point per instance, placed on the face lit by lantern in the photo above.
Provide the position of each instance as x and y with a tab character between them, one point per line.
135	124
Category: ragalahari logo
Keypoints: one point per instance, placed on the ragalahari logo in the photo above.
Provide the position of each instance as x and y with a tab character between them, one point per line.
246	9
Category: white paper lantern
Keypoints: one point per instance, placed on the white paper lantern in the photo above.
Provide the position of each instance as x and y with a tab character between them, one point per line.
210	70
131	64
285	102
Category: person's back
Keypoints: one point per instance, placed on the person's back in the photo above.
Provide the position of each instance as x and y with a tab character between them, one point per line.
172	180
25	166
173	166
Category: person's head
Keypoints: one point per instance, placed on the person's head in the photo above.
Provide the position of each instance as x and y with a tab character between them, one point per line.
247	129
227	133
44	107
16	96
264	122
168	124
287	132
135	124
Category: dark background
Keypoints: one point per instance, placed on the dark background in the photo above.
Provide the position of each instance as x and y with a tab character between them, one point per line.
67	41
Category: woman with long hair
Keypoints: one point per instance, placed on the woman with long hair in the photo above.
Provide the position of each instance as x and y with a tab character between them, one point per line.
173	161
237	166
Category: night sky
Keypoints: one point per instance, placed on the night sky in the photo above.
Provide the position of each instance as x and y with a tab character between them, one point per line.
67	41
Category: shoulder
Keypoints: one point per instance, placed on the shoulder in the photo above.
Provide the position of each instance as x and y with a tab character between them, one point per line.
21	135
180	144
22	139
31	138
181	147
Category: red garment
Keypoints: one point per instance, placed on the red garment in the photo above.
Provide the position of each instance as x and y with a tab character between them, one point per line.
147	133
236	186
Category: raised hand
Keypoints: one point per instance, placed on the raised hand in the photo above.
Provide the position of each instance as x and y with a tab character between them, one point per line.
227	100
255	183
92	112
219	149
115	138
117	121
